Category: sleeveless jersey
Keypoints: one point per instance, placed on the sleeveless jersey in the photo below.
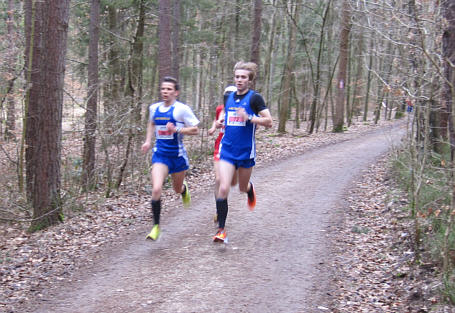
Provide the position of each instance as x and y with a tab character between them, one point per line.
238	142
167	143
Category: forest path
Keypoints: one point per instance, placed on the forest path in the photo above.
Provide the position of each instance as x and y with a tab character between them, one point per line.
277	259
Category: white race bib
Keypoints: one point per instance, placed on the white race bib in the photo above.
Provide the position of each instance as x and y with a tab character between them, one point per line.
233	119
162	132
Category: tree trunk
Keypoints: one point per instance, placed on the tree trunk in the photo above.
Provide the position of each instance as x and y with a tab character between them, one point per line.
341	81
88	166
46	39
136	80
268	59
448	46
436	133
176	39
33	59
134	89
164	34
236	48
357	86
348	85
317	81
287	75
297	103
327	97
11	63
256	32
367	92
114	85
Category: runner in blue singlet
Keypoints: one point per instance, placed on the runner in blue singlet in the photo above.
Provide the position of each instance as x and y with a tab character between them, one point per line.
216	151
169	121
244	111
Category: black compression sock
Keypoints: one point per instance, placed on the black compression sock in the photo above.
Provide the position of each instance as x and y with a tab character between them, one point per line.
250	191
156	209
222	211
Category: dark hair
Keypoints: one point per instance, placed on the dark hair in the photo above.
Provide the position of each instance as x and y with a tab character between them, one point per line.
170	79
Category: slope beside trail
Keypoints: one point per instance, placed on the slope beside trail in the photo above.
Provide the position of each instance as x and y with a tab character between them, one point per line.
278	256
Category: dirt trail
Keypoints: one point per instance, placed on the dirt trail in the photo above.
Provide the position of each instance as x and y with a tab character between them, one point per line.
277	259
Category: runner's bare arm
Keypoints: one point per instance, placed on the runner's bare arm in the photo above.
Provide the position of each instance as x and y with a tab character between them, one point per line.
212	129
220	121
264	118
192	130
148	137
188	130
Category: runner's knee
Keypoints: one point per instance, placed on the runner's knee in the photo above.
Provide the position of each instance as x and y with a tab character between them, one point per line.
223	192
156	192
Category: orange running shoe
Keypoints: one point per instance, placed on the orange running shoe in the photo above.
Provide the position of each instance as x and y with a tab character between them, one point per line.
220	236
251	198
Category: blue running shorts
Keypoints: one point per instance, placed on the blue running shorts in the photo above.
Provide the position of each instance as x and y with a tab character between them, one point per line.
239	163
174	164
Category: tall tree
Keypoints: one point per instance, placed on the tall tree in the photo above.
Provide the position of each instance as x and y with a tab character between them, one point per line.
268	56
448	42
342	66
133	91
256	37
317	75
176	17
33	50
46	32
164	34
357	83
88	166
367	91
288	71
237	32
112	94
449	60
11	62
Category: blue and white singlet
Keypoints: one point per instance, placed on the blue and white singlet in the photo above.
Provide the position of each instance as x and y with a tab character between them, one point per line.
167	143
238	142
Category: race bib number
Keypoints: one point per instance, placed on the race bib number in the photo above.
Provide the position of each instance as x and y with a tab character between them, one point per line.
233	119
163	133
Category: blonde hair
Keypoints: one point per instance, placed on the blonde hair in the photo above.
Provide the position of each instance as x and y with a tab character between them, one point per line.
247	66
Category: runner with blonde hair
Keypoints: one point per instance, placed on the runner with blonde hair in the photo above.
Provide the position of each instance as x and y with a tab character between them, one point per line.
244	110
219	111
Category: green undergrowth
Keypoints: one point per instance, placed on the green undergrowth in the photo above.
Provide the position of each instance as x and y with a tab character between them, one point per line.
429	208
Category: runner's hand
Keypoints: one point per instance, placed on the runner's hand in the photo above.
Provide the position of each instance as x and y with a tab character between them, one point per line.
171	127
219	123
145	147
241	112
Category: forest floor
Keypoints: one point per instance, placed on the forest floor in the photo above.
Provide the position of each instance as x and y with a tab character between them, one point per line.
370	266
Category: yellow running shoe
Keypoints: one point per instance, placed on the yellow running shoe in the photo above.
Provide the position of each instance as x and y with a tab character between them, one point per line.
186	196
154	233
